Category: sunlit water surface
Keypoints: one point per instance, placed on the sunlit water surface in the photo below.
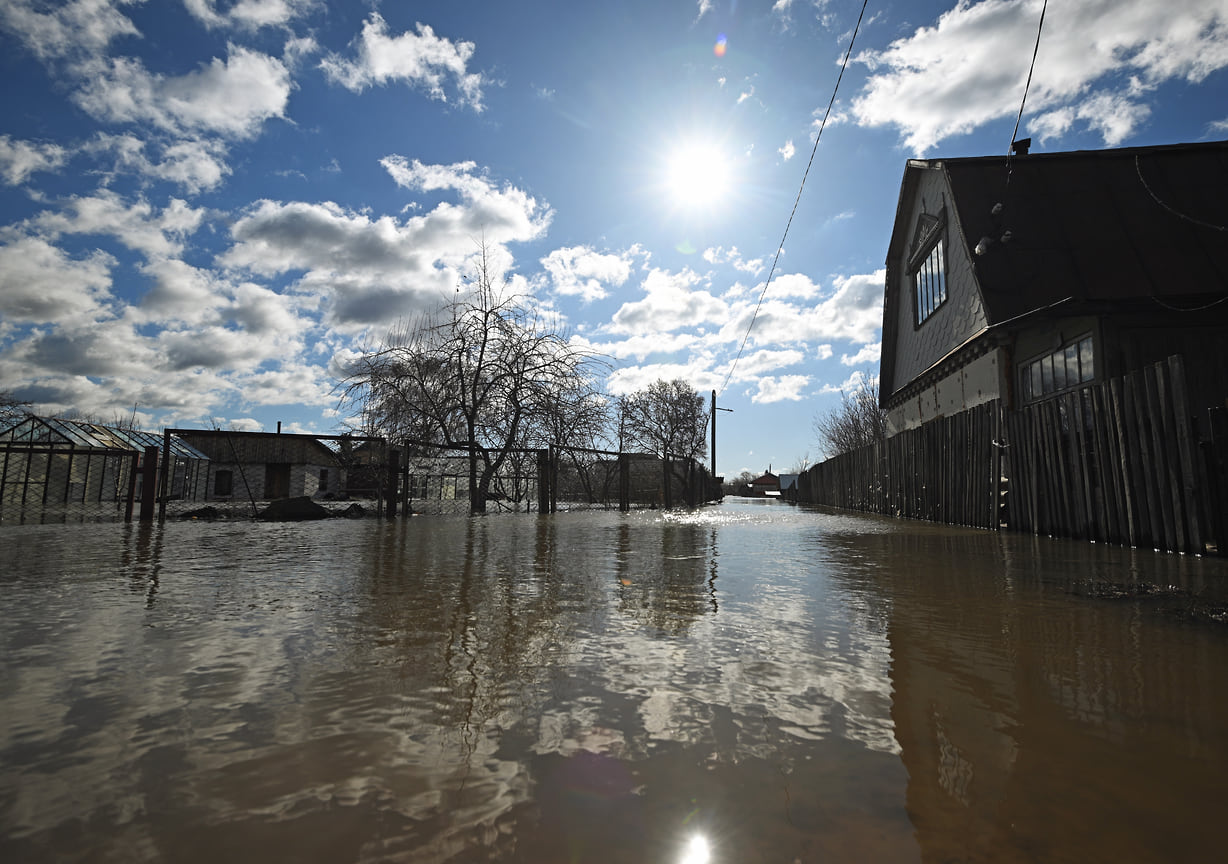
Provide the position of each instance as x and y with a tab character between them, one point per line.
745	683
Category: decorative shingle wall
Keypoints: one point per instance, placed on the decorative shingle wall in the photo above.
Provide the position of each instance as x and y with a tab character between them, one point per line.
961	316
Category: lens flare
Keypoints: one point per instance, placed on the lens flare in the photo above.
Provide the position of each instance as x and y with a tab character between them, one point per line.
719	48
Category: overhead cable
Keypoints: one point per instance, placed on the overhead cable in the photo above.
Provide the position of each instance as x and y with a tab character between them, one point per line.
792	213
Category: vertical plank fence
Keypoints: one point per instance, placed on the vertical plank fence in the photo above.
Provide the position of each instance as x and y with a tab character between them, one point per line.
1122	462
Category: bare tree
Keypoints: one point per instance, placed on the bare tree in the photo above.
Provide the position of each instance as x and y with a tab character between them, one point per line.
486	374
12	409
667	419
856	422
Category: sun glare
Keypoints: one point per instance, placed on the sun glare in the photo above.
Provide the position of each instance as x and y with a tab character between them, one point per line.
697	851
697	175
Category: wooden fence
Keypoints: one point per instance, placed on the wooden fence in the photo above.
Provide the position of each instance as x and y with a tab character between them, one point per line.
1120	462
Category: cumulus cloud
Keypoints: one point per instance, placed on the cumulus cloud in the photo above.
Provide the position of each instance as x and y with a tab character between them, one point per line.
73	29
40	282
373	270
779	389
138	225
195	165
249	14
419	59
672	301
1099	63
732	257
852	312
581	271
20	159
870	353
232	98
787	151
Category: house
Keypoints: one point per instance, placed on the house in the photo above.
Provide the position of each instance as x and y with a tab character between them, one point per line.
265	465
50	466
767	484
1025	277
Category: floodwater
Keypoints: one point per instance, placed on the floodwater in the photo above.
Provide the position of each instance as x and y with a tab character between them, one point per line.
750	682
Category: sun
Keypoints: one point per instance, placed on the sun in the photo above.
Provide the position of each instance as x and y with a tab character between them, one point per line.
697	174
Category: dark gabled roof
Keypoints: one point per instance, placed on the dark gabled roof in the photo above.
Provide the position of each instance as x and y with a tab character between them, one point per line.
1095	225
1089	230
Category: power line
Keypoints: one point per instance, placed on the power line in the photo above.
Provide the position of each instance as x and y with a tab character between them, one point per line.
798	199
1027	86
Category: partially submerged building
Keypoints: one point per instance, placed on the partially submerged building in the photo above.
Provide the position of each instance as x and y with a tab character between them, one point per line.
265	465
51	467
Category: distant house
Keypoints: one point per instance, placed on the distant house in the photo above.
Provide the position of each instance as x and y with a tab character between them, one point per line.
766	484
265	465
1026	278
788	486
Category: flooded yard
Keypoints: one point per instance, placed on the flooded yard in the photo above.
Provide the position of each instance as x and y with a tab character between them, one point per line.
744	683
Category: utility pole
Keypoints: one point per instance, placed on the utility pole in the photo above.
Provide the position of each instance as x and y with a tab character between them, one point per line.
714	410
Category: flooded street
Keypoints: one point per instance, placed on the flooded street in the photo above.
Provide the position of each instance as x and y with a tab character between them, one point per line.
749	682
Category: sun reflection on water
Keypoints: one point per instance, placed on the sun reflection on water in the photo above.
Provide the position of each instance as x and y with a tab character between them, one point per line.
697	851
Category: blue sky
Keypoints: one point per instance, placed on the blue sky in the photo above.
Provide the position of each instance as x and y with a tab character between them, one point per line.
208	206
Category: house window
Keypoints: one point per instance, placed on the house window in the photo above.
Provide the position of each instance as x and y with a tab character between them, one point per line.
323	479
223	482
1070	366
417	486
929	282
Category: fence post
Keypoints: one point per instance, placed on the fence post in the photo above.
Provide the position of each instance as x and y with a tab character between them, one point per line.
149	484
624	483
394	474
543	481
133	470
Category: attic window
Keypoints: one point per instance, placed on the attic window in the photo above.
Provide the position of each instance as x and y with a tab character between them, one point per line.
929	281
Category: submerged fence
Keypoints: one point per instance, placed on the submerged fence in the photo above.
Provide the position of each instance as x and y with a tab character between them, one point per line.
1119	462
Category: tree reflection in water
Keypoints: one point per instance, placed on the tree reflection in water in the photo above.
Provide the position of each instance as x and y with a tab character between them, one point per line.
786	685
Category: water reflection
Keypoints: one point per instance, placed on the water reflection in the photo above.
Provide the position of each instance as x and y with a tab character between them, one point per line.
783	685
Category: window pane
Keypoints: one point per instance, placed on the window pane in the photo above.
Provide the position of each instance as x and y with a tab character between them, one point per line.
1059	370
1072	365
942	276
1034	374
1087	364
1046	374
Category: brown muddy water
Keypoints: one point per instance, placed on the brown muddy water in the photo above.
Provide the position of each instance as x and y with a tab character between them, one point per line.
745	683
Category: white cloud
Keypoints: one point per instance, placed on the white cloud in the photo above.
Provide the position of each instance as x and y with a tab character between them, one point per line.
419	59
378	270
250	14
195	165
785	388
731	256
852	313
788	151
232	98
79	27
856	380
20	159
583	272
40	282
1099	61
138	225
870	353
672	302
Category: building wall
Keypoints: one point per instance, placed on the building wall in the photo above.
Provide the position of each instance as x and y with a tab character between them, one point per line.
981	381
961	316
